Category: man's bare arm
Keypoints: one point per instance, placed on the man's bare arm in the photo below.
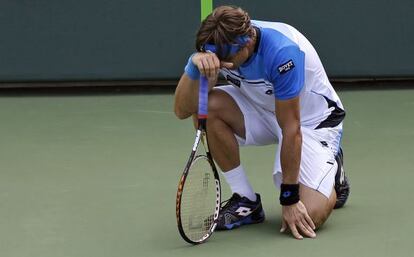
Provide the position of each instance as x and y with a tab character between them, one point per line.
288	117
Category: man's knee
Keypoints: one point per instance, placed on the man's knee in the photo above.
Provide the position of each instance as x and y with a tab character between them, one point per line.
217	100
318	206
215	106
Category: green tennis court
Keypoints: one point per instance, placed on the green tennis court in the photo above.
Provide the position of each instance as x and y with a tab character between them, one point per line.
95	174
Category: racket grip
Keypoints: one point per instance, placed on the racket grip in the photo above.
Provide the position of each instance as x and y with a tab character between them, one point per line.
203	98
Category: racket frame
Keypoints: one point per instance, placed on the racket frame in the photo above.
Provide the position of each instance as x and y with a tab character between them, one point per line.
201	136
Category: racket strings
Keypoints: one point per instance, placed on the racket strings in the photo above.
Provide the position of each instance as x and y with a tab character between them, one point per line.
198	200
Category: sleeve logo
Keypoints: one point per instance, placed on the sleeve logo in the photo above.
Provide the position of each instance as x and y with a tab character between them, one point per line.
287	66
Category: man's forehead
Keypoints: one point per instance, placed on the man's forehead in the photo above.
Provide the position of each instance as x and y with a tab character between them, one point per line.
227	49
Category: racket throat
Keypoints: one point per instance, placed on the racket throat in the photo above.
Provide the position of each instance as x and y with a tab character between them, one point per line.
202	122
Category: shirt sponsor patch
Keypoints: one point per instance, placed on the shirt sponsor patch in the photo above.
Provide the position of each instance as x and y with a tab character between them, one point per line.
233	81
287	66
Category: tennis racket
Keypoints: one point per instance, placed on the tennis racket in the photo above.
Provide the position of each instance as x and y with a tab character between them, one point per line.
199	192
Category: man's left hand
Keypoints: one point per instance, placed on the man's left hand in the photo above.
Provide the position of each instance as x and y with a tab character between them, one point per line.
296	217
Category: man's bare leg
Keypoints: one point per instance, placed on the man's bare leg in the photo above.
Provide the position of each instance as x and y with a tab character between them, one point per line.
318	206
224	120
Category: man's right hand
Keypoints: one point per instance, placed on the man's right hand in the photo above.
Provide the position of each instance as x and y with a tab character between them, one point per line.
208	64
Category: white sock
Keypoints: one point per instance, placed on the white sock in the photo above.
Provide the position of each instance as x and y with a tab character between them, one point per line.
237	180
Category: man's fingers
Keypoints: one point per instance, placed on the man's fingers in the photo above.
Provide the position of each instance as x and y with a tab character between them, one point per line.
207	63
283	228
310	221
297	218
307	225
217	64
201	68
206	67
211	66
306	229
228	65
294	231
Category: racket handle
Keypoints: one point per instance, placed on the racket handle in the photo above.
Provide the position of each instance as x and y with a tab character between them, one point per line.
203	98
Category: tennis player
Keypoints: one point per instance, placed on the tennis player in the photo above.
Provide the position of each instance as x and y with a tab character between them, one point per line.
278	92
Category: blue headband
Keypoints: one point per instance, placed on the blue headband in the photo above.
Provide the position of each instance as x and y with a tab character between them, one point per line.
227	49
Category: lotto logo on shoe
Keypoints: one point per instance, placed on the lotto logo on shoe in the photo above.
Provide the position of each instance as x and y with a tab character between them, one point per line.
244	211
286	67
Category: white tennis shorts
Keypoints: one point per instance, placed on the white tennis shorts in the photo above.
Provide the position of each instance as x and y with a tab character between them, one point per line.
319	147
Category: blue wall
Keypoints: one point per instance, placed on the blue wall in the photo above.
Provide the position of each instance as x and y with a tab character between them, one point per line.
142	40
